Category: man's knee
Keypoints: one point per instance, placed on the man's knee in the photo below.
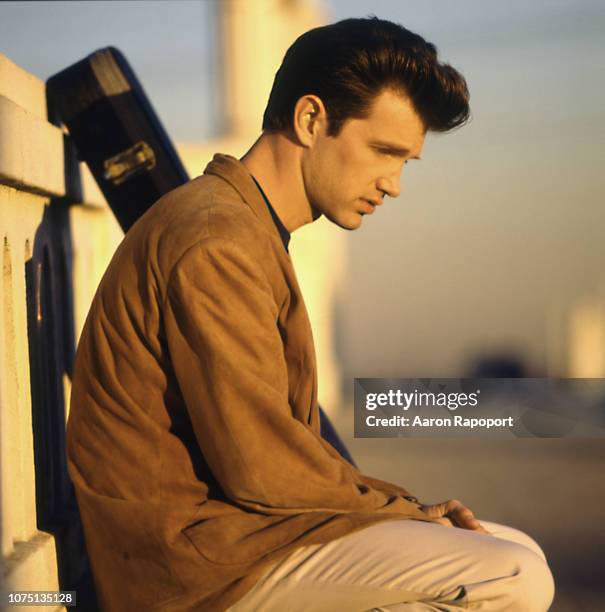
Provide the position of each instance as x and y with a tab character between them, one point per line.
536	584
513	578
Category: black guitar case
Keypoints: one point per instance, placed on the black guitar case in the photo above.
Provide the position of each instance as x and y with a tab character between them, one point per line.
116	132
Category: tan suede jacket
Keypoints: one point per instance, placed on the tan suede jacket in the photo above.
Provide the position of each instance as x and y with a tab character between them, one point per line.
193	434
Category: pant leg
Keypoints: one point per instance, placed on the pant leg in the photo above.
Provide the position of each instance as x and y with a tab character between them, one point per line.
540	582
408	565
514	535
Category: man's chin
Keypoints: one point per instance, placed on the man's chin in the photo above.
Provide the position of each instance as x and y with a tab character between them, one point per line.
350	222
353	223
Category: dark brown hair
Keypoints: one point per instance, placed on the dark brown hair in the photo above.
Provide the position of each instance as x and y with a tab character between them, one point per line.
347	63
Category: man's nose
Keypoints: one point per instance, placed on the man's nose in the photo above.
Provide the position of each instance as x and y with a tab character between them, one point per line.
390	185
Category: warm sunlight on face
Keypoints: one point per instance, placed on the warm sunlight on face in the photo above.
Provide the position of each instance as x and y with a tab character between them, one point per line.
347	176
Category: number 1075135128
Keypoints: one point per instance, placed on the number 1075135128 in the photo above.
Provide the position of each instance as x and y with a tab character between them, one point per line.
38	598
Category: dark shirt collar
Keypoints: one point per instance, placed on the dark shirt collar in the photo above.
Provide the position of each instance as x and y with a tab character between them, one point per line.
283	232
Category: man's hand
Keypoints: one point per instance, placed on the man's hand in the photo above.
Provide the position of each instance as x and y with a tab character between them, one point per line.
454	513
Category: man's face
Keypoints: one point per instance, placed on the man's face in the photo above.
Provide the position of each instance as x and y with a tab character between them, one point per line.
347	176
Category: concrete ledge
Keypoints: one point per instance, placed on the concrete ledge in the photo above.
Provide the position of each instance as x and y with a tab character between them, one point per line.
31	151
23	88
32	566
32	158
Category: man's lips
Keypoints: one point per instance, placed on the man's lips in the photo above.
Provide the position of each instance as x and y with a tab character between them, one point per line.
370	205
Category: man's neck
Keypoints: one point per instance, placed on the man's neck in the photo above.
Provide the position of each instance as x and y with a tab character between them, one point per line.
275	163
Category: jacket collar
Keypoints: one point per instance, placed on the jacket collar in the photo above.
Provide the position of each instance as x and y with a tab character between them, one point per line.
235	173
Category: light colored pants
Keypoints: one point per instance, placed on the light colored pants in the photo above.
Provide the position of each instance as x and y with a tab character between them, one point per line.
410	566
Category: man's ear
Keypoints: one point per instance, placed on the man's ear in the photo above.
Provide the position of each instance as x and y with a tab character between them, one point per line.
309	119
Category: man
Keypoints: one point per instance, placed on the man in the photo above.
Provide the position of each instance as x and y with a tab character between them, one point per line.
193	437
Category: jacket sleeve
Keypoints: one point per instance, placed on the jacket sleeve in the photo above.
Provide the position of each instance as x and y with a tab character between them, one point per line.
221	328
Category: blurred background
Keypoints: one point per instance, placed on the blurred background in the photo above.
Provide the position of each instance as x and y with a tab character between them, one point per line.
489	263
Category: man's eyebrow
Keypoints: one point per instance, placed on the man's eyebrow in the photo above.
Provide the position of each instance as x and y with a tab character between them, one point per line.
391	148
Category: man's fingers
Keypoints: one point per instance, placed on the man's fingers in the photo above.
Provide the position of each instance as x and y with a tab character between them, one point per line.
463	517
445	508
435	510
456	513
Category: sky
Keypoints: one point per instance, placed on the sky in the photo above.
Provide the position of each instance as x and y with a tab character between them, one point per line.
498	229
170	45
